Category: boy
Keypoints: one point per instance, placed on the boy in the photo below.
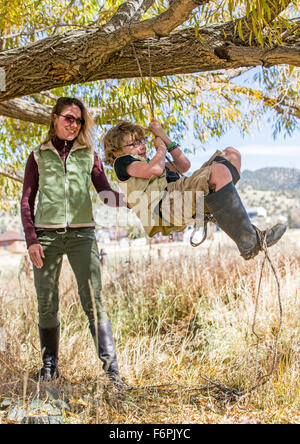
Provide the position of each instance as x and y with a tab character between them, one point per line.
157	193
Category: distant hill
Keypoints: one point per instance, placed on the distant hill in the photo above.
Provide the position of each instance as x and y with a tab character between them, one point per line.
275	179
275	189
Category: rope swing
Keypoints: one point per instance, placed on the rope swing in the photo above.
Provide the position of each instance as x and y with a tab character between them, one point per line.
206	217
217	389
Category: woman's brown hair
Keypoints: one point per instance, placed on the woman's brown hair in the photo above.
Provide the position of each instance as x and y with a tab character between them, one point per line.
86	134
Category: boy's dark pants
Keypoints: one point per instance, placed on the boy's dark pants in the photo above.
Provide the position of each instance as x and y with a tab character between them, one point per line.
81	249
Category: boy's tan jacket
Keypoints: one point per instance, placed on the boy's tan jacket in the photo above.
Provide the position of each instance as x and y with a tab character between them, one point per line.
144	196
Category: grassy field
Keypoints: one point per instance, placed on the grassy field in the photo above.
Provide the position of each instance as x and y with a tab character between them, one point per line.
175	321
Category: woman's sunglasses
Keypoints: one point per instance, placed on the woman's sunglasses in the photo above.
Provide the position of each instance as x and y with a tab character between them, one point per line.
71	119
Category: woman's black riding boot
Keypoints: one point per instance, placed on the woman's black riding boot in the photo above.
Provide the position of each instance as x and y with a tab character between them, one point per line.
49	338
231	216
103	338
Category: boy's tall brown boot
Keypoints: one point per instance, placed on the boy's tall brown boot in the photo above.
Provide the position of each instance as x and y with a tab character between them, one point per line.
231	216
103	338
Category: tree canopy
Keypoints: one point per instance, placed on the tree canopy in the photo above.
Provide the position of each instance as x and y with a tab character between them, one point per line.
195	51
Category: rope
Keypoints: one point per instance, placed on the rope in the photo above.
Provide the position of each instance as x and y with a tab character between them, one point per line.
218	390
223	392
207	218
150	78
228	392
149	94
263	244
150	99
233	394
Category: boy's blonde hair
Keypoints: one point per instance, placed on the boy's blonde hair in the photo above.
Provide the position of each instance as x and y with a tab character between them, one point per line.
114	139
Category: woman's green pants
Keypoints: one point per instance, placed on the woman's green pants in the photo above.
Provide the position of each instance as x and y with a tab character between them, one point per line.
81	249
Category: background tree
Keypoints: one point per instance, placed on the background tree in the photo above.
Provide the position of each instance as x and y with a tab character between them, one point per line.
204	56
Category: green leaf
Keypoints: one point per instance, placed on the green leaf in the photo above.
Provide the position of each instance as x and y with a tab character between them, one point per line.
240	30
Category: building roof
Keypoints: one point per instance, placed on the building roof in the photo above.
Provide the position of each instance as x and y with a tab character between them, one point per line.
11	236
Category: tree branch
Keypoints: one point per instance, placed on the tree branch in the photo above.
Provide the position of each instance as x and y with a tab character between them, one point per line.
40	114
75	56
35	31
138	13
162	25
27	111
10	176
221	82
184	53
281	105
128	11
90	54
143	9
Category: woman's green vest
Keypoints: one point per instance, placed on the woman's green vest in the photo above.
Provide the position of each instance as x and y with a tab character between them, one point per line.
144	196
64	199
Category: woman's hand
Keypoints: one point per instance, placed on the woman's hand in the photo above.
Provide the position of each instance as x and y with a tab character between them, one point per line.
36	255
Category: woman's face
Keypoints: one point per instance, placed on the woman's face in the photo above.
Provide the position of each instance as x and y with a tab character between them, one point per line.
68	123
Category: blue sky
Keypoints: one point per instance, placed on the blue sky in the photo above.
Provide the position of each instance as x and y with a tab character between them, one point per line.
258	150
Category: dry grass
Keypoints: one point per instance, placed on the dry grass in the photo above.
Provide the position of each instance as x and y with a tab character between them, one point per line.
174	321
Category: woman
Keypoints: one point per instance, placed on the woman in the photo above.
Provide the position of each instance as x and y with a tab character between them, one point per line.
62	170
